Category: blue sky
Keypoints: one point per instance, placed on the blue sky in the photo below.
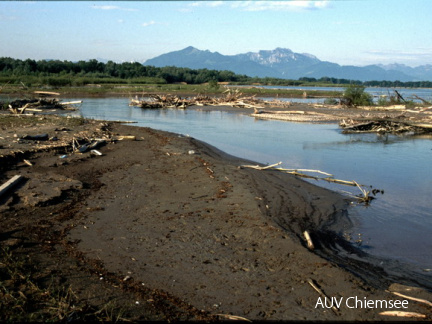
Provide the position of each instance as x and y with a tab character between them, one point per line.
348	32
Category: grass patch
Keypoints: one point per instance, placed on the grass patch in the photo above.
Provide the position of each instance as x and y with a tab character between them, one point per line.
25	298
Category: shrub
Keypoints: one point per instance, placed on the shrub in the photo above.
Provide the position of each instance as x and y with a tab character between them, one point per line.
354	95
213	84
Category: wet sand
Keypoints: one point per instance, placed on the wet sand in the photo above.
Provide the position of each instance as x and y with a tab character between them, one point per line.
172	228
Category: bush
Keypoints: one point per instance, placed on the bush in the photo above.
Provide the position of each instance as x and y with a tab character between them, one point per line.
213	84
354	95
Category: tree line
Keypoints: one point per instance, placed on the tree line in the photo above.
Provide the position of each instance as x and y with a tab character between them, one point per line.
64	73
112	72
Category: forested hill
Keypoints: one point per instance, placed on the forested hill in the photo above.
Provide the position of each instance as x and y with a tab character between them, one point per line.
64	73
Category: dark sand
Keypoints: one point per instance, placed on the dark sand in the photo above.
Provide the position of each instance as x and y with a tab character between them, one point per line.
171	235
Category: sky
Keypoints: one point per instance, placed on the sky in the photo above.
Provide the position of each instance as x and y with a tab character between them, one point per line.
347	32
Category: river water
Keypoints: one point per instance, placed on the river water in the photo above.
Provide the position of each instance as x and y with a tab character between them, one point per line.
397	225
376	92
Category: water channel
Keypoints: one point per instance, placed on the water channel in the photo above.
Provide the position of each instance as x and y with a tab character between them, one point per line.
397	225
376	92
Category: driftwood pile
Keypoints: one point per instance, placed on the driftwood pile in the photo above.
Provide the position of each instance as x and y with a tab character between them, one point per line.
366	195
384	125
160	101
20	106
231	98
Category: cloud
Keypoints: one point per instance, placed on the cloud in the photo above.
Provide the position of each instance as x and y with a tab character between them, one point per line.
211	4
105	43
420	54
7	18
108	7
416	52
292	5
146	24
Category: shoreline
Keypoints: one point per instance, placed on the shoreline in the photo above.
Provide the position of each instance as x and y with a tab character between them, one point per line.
224	230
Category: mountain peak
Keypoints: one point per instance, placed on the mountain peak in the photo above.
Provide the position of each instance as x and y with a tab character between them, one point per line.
280	56
284	63
190	49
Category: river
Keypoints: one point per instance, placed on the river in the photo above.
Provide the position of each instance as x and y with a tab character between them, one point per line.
376	92
397	225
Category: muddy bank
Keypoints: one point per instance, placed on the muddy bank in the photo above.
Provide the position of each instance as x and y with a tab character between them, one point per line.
168	227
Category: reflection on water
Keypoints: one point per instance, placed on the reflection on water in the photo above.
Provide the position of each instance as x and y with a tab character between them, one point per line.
353	139
398	224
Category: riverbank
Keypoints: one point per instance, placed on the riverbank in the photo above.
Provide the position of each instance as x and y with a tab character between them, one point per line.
132	90
167	227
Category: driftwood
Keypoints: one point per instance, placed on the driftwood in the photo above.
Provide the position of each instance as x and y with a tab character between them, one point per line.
123	137
19	106
297	173
384	125
46	93
424	301
399	96
319	291
233	317
292	115
364	198
231	98
95	152
401	290
257	167
422	100
161	101
76	102
9	184
310	244
403	314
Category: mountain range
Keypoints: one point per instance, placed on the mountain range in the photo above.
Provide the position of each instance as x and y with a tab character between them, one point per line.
286	64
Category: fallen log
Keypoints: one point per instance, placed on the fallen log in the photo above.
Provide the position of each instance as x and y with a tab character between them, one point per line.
420	293
124	137
72	102
365	198
10	184
46	93
257	167
403	314
233	317
305	170
424	301
344	182
310	244
422	100
319	291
